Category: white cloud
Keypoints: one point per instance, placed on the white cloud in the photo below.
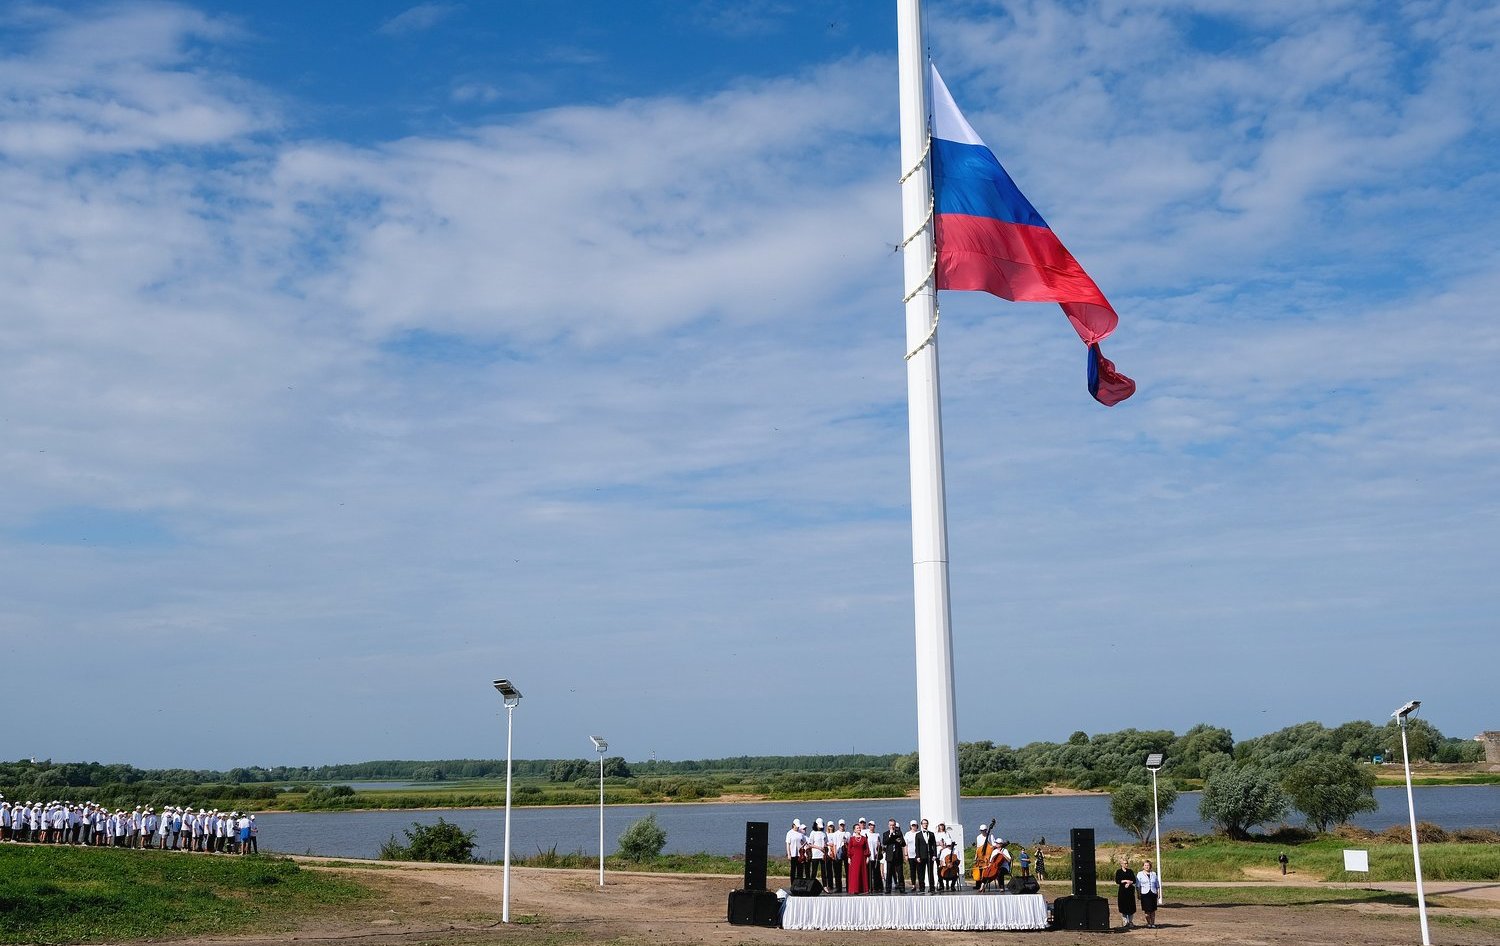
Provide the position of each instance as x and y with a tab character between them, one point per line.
417	19
594	383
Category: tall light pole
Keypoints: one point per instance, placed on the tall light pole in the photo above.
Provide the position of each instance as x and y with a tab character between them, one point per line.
1411	808
601	747
1154	763
512	696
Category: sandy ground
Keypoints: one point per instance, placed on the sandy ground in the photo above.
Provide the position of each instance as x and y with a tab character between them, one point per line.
443	904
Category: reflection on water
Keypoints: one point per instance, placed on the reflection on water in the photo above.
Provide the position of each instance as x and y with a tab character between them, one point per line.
720	828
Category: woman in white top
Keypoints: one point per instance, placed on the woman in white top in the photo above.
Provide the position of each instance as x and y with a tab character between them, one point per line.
1148	885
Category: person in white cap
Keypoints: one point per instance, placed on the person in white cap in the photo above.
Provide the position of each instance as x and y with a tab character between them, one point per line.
838	842
911	856
821	866
794	839
872	868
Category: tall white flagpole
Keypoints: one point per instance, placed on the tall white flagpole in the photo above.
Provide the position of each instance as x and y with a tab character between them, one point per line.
937	728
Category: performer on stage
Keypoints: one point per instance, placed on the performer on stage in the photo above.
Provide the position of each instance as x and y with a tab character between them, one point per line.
894	844
859	855
817	850
948	860
872	838
794	854
926	859
838	849
1125	901
911	856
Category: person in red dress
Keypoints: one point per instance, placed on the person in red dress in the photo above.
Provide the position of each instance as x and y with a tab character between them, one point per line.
859	853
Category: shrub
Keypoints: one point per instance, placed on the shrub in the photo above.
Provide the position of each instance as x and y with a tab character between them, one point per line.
643	840
1330	789
1131	807
1236	799
442	842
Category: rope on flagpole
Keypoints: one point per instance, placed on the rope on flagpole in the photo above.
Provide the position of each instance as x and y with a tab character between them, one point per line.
921	160
932	264
922	228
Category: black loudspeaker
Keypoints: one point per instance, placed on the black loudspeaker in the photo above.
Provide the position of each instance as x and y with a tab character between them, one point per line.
807	887
756	834
1023	885
1085	872
1081	913
754	908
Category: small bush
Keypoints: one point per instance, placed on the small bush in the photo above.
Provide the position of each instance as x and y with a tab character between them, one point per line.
443	843
643	840
1427	833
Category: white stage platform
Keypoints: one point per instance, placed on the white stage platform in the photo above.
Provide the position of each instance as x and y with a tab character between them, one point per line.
961	911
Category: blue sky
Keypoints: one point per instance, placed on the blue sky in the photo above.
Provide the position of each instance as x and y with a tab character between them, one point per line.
356	354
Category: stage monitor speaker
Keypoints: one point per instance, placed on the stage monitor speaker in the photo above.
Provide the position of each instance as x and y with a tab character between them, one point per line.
1023	885
807	887
1085	872
754	908
1081	913
757	834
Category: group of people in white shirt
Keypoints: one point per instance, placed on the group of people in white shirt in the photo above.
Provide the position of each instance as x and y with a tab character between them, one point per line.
88	824
866	859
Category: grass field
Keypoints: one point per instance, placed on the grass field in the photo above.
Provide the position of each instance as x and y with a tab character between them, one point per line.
73	895
1212	858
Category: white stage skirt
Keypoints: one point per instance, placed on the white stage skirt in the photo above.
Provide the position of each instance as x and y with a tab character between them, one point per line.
917	912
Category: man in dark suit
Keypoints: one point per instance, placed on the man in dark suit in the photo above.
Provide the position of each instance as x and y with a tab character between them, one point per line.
926	878
894	844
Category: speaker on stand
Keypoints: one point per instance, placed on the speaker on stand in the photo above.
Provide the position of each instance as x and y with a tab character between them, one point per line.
754	904
1085	909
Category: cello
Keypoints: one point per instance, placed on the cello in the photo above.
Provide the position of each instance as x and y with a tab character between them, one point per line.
984	871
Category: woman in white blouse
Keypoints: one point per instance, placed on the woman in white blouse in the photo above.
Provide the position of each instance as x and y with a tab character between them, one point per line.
1148	885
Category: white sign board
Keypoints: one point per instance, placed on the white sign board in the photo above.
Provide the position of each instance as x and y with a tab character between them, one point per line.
1357	860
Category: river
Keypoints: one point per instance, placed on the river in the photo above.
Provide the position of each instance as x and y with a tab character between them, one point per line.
719	828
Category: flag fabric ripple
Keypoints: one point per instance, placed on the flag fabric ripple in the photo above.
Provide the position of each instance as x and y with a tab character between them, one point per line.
989	237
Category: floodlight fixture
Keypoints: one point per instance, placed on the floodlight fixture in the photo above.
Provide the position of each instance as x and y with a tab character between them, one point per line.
512	698
1400	716
508	691
601	745
1154	761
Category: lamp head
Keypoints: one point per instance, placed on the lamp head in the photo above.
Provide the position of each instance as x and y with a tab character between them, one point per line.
1406	710
508	691
1154	760
599	744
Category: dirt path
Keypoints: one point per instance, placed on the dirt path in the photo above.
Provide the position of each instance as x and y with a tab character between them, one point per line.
451	904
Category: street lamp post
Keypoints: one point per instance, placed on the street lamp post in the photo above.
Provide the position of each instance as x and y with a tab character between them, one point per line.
1411	808
511	696
1154	763
600	746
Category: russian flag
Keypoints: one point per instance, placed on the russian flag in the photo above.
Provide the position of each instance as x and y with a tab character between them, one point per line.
989	237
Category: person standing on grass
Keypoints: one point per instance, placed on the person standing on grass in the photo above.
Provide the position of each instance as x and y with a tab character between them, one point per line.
254	842
1125	892
1282	860
1148	883
243	830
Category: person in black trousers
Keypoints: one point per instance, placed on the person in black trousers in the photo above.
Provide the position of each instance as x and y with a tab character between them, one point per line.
926	878
895	857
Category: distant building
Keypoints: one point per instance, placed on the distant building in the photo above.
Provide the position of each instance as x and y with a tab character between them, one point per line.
1491	742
